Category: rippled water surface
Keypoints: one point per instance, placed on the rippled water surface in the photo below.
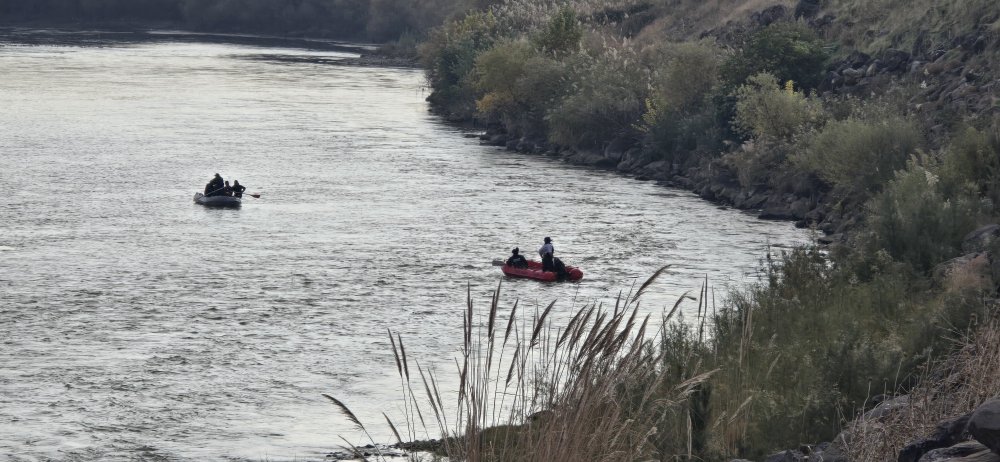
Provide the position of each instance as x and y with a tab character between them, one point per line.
136	325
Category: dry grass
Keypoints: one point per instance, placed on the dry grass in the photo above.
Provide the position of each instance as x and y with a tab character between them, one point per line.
687	19
532	391
879	24
953	388
971	276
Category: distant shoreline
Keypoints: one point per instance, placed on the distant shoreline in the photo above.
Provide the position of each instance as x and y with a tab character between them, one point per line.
70	33
101	34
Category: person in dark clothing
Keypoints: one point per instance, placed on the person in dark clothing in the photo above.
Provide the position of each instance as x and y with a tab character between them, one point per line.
214	187
227	190
559	268
238	188
547	262
517	260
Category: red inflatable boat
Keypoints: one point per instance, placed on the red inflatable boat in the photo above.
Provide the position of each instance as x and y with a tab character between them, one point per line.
534	271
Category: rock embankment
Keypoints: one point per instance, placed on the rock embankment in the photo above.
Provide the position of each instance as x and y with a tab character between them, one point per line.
802	200
974	437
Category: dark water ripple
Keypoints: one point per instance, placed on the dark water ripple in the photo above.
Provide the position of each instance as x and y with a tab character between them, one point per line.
135	325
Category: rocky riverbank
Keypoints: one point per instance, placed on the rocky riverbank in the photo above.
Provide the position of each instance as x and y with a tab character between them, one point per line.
801	200
948	81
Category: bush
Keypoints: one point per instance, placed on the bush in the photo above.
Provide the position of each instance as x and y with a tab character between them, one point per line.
679	118
562	34
609	98
974	156
788	50
766	109
518	86
449	55
916	223
858	156
674	65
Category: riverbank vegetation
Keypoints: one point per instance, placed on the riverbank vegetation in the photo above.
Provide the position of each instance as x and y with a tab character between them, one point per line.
875	123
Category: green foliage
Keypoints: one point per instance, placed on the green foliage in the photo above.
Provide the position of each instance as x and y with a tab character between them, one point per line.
814	341
766	109
916	223
684	73
788	50
974	157
562	34
518	85
679	116
859	156
608	97
449	56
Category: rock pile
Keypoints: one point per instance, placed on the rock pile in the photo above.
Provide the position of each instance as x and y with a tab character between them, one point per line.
974	437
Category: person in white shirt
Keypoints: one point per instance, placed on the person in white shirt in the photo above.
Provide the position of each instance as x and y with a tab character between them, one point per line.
546	251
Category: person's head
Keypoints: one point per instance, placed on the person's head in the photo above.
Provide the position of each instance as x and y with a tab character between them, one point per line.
236	182
515	251
548	240
227	182
218	176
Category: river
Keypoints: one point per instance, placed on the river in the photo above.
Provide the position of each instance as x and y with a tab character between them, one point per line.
136	325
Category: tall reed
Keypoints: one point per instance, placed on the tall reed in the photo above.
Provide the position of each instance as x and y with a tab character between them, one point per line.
532	390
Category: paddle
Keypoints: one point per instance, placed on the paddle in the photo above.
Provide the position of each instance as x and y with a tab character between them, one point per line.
255	196
498	262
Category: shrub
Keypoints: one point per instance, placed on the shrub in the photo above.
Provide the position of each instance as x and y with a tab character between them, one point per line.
679	117
610	90
674	67
974	156
788	50
808	343
859	156
766	109
519	85
562	34
449	56
916	223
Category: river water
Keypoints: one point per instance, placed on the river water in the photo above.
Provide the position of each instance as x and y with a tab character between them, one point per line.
136	325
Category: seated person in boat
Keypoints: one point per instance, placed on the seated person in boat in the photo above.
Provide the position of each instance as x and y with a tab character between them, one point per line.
238	188
214	187
517	260
227	190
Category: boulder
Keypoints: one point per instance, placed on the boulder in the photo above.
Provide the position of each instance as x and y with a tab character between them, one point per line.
786	456
776	213
497	140
829	452
981	238
969	262
967	448
770	15
800	208
888	406
895	60
617	147
946	434
807	8
984	424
